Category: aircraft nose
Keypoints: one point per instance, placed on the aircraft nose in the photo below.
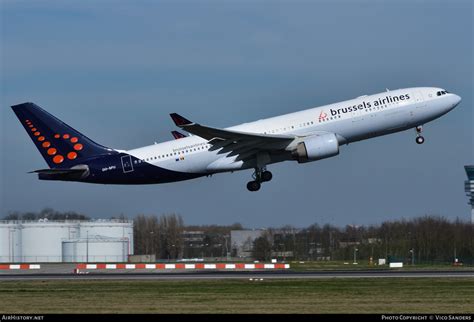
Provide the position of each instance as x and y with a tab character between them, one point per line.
457	99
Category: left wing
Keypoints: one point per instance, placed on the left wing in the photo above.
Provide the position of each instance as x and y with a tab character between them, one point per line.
244	144
177	135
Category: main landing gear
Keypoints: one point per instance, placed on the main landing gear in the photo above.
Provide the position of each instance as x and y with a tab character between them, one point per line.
419	138
259	176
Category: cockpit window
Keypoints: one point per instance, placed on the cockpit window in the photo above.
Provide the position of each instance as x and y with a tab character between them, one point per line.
439	93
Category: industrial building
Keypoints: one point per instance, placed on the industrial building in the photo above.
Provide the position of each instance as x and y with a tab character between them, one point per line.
242	241
65	241
469	188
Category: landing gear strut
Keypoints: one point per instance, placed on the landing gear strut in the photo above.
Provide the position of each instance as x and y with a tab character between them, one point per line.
259	176
419	138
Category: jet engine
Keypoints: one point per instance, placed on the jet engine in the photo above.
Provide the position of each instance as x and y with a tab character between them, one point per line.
316	147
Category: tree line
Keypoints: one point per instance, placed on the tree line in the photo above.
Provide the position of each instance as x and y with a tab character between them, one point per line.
46	213
425	239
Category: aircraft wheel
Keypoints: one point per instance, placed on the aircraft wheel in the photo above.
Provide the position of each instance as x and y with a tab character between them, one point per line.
420	139
266	176
253	186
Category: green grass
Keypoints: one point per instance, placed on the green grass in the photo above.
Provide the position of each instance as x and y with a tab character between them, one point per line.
339	265
377	295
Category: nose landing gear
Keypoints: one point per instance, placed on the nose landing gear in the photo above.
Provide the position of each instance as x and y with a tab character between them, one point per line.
419	138
259	176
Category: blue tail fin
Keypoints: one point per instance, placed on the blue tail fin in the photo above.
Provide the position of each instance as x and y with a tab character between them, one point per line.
60	145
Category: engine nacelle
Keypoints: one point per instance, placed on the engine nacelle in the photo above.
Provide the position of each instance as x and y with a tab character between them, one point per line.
316	147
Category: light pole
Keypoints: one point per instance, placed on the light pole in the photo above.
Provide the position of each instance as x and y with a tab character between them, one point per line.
355	255
282	250
203	248
412	251
151	243
226	247
312	250
87	246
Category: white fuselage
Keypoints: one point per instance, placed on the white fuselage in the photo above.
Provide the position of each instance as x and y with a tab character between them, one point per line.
352	120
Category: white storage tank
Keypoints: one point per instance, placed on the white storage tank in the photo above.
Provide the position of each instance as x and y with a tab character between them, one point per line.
109	228
95	249
10	242
41	241
55	241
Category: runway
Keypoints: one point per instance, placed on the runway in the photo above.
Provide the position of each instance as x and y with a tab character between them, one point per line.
255	275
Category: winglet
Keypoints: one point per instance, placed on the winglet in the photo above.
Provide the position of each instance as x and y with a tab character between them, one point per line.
179	120
178	135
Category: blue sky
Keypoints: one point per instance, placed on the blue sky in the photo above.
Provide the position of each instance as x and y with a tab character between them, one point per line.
114	70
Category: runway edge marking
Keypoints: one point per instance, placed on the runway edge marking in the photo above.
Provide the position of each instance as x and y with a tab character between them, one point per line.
208	266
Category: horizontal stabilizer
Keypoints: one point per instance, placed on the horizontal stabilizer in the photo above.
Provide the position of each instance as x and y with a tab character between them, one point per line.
63	174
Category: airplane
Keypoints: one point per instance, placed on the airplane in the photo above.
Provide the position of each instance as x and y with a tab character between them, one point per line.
303	136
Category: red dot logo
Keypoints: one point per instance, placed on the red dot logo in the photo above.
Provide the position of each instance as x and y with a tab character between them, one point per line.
78	147
37	133
41	138
46	144
52	151
58	159
74	140
33	129
72	155
66	136
57	136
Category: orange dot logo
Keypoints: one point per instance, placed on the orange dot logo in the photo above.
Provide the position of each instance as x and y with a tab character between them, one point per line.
72	155
52	151
41	138
66	136
37	133
46	144
31	125
78	147
57	136
33	129
58	159
74	140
